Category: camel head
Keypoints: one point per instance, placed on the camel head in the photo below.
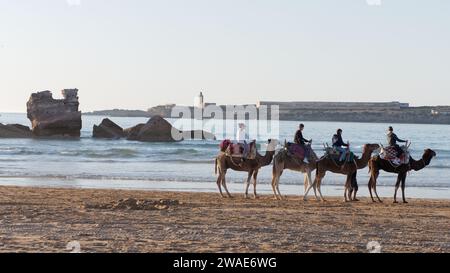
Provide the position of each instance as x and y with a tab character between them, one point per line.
428	154
272	145
370	148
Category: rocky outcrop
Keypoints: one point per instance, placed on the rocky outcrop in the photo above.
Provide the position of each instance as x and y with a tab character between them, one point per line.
108	129
133	132
15	131
157	129
52	117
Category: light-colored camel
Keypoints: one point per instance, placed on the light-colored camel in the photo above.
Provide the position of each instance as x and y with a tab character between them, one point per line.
282	161
376	164
224	162
348	168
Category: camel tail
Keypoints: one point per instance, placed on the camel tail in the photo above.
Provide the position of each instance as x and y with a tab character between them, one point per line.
317	168
215	166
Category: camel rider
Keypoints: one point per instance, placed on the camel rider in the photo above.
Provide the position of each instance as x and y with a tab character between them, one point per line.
392	140
300	140
338	144
241	138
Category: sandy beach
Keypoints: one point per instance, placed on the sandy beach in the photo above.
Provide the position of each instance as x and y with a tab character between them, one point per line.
46	220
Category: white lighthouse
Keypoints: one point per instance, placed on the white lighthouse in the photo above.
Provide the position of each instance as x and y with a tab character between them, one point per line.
200	101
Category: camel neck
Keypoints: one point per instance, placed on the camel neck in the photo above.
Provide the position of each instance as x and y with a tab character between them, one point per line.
364	161
420	164
266	159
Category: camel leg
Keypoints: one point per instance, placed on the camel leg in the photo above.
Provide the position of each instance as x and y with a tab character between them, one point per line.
403	188
376	193
354	186
318	184
397	185
311	185
370	188
219	180
255	177
277	187
308	186
306	183
247	183
224	184
374	178
347	189
274	179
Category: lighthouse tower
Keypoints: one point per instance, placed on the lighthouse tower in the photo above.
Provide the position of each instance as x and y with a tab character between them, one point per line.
201	101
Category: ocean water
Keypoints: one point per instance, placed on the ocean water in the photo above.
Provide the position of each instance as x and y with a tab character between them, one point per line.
189	165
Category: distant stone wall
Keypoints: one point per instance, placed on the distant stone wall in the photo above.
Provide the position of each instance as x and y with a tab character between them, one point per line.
318	105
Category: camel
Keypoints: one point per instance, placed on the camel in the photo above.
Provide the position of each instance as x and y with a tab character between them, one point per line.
349	168
282	161
376	164
224	162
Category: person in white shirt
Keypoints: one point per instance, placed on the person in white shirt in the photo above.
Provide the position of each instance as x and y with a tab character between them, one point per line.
241	137
241	133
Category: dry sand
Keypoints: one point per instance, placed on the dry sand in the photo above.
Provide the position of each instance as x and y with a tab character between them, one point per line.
46	220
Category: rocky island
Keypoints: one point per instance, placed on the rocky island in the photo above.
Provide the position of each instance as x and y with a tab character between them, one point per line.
54	117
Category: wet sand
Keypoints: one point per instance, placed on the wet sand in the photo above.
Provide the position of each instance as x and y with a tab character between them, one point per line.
46	220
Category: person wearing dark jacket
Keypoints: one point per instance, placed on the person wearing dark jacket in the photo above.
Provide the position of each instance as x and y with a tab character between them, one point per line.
392	140
338	144
300	140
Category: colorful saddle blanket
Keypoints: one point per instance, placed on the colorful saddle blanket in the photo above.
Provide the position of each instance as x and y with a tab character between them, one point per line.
336	155
242	150
296	150
390	153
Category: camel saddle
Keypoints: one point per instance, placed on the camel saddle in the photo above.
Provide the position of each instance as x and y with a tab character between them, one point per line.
296	150
239	150
335	155
390	153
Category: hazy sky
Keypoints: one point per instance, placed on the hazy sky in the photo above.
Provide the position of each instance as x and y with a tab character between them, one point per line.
139	53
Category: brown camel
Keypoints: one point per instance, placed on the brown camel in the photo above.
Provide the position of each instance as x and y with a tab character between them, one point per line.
376	164
224	162
283	161
348	168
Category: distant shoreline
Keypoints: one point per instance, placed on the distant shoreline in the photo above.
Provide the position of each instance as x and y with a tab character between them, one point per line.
309	118
444	120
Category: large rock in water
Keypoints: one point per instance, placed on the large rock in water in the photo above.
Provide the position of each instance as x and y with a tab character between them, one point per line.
51	117
15	131
108	129
157	129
